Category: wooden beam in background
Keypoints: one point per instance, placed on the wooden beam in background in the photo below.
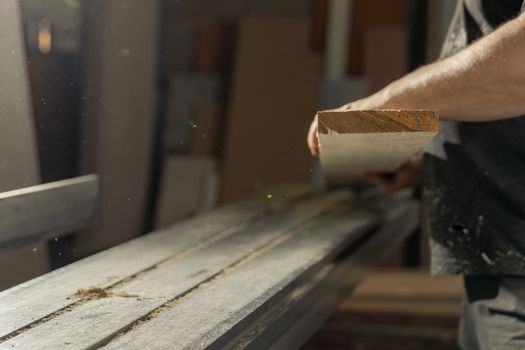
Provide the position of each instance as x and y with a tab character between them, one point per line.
338	33
120	103
45	211
117	264
18	151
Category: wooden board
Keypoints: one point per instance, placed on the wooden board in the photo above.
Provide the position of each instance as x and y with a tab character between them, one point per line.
18	149
274	95
19	163
354	142
410	285
46	211
213	259
186	92
286	324
214	47
205	136
382	44
212	286
21	306
236	297
407	307
188	187
368	14
178	277
118	131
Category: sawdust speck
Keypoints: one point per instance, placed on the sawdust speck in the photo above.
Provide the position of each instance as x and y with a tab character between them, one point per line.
95	293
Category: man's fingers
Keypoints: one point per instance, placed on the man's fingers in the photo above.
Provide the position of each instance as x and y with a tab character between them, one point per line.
396	184
378	179
313	142
313	145
315	149
390	182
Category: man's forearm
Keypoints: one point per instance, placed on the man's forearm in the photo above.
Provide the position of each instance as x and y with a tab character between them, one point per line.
483	82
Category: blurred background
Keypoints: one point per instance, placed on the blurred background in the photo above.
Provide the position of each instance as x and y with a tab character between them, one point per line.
183	105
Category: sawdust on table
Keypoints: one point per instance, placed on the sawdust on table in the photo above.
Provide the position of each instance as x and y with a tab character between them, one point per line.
94	293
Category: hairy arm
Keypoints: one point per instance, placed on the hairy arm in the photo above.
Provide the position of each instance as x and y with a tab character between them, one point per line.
483	82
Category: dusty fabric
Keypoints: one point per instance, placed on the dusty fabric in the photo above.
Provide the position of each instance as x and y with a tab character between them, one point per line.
475	172
493	313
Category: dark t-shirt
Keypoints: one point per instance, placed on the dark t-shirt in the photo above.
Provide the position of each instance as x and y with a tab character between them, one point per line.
475	172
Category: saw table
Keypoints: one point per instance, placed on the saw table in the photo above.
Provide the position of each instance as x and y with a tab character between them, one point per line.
261	273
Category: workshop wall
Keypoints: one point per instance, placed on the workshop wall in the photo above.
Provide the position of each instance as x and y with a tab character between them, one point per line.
184	105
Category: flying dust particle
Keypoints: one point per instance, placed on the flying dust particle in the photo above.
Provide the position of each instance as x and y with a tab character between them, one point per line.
487	259
192	123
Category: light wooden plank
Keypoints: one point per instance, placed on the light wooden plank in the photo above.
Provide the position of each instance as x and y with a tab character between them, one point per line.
379	42
435	309
354	142
290	323
85	326
282	317
18	152
211	316
33	300
208	262
376	121
170	280
410	284
185	93
119	85
47	210
18	145
188	187
316	307
205	140
275	53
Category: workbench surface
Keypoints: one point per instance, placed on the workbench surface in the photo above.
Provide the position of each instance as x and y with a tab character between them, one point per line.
261	273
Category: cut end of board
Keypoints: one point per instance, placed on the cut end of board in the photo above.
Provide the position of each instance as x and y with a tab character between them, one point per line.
376	121
355	142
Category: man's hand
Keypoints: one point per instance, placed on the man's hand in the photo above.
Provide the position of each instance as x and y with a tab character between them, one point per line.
312	139
408	176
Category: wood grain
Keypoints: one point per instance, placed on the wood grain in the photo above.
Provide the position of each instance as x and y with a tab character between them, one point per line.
354	142
275	83
249	272
244	294
31	301
188	187
48	210
83	327
204	264
376	121
172	279
18	144
317	306
124	103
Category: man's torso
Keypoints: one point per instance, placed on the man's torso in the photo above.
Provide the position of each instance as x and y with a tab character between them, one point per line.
475	172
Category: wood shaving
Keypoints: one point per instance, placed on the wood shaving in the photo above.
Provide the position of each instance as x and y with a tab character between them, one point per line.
95	293
91	293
